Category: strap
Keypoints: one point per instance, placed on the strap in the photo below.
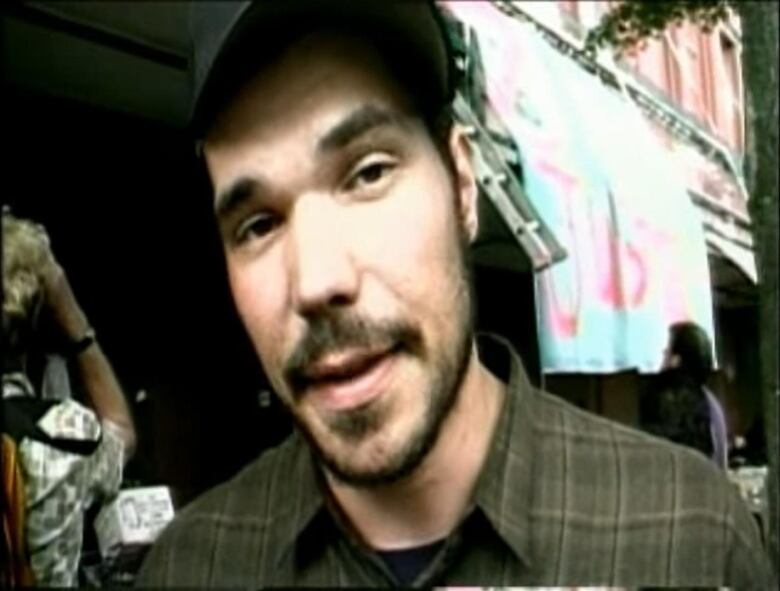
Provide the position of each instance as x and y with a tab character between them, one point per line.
21	420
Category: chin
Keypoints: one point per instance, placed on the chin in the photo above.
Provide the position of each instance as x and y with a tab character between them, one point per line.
385	441
373	472
375	460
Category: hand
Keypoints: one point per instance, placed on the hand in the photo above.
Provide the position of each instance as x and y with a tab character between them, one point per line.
60	301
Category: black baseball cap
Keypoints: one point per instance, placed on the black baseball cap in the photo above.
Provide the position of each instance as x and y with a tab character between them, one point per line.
231	40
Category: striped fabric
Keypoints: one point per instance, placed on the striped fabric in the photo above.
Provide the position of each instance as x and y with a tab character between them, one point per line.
565	498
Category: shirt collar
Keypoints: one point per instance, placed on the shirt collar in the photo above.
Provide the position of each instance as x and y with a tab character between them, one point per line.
305	499
504	487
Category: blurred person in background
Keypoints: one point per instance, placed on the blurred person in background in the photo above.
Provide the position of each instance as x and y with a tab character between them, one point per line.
70	454
679	406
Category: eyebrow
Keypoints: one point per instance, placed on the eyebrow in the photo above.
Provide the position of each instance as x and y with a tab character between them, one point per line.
235	195
357	123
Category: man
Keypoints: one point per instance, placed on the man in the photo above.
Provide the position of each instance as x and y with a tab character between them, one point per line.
346	201
69	455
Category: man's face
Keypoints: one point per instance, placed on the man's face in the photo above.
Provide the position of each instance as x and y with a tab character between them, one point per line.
345	236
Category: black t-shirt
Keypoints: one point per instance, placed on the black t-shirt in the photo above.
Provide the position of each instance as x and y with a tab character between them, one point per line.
406	564
674	407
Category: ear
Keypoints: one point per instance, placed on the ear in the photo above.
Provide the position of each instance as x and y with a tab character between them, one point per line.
465	180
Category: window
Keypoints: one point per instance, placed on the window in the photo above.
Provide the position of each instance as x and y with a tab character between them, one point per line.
686	53
649	63
709	83
731	109
673	70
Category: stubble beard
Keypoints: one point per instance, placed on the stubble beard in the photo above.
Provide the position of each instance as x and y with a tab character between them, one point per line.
353	427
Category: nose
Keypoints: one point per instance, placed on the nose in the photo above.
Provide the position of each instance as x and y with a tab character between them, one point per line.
323	271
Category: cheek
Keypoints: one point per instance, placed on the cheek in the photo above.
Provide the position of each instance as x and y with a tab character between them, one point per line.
259	302
411	249
412	265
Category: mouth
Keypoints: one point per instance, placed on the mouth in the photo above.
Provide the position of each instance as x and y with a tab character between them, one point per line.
349	379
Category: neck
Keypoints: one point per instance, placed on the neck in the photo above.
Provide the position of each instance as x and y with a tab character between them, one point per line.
427	505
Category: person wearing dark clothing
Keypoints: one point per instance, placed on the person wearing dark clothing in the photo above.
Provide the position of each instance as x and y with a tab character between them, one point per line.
678	406
674	408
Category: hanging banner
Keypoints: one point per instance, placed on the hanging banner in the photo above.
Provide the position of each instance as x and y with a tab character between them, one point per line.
602	182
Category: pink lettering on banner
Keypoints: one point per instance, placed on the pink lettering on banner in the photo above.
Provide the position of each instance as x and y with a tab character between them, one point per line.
563	316
671	284
551	170
562	321
620	266
636	263
622	276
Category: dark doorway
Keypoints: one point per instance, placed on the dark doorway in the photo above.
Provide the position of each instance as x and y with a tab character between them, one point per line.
126	207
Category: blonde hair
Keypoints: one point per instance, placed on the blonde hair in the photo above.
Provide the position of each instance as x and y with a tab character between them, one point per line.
25	255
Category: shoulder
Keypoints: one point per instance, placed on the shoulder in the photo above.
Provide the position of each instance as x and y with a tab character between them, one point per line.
231	522
634	496
245	491
623	455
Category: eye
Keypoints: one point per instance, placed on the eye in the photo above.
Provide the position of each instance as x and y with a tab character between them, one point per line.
255	227
370	173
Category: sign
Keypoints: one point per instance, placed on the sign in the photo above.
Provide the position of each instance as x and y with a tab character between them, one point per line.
134	519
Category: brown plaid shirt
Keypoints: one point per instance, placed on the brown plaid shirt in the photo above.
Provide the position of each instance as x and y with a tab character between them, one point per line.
565	498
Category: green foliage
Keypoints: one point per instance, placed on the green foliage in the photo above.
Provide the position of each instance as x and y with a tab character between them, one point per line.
632	22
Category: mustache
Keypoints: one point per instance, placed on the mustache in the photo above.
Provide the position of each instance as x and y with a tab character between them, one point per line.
333	331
